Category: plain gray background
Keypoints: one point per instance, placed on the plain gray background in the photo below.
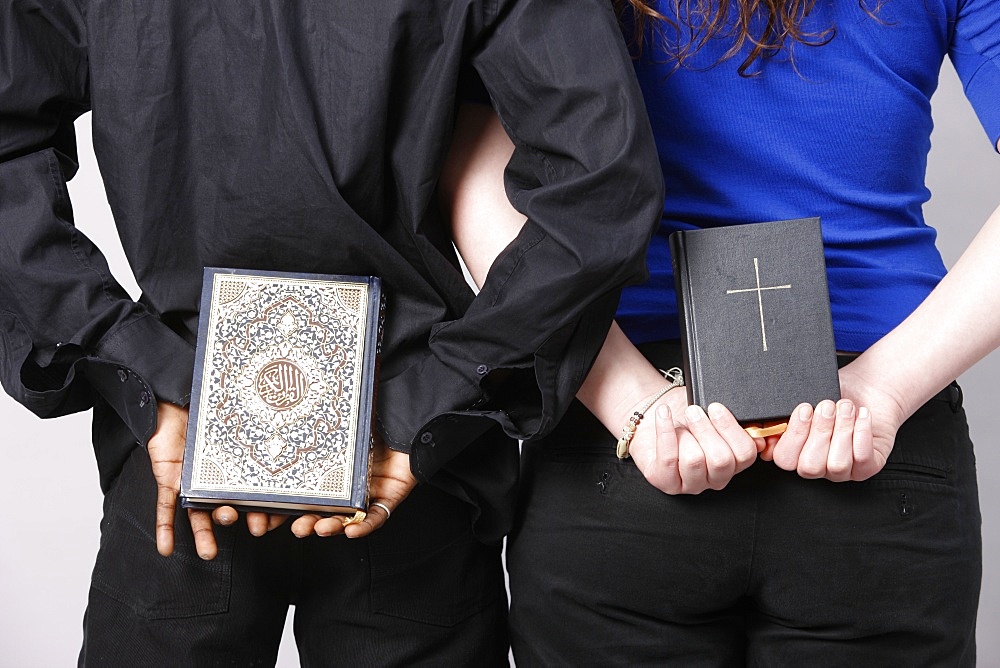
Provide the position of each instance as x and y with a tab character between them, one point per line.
52	504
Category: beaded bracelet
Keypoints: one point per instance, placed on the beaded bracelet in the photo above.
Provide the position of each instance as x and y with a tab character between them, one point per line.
676	378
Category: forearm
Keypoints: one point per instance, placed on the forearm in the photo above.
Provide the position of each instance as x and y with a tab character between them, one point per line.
484	223
620	379
956	326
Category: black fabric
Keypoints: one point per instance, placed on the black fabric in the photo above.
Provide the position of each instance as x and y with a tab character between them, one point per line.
421	591
773	570
308	137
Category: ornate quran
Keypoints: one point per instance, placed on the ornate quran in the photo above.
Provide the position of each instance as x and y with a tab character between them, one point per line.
283	395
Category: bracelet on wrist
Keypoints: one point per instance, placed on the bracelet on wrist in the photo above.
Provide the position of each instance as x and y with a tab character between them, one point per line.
676	378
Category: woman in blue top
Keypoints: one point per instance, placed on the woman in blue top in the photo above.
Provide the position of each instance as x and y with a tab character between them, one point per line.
855	537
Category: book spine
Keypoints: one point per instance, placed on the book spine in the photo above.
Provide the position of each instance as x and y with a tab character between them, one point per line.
685	315
374	331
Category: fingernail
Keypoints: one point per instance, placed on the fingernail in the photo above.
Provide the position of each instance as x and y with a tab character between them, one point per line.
863	413
845	409
805	412
827	408
716	411
662	412
694	413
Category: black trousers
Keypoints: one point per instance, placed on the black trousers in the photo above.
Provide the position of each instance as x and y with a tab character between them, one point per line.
420	591
773	570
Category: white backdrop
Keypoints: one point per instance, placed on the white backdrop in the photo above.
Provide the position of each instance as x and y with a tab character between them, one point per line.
52	504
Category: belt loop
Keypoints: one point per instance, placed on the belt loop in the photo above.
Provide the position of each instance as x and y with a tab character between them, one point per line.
955	396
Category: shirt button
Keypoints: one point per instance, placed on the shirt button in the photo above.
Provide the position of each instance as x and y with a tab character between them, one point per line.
426	438
123	375
482	369
143	398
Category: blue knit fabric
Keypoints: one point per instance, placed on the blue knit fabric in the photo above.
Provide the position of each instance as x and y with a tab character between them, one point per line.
842	131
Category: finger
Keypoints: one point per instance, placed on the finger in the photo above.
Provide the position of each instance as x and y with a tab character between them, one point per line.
720	462
741	444
664	474
374	520
787	448
204	536
812	459
305	525
224	515
330	526
840	459
866	464
257	523
166	501
275	520
767	452
691	464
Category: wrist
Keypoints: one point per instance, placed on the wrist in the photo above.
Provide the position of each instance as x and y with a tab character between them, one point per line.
675	379
614	408
871	390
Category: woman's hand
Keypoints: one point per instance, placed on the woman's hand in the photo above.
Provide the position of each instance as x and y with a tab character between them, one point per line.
849	440
683	450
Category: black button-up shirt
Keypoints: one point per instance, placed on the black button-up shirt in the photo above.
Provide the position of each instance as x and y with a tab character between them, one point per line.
307	136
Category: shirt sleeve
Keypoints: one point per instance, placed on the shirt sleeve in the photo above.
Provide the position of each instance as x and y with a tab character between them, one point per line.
67	329
975	52
586	175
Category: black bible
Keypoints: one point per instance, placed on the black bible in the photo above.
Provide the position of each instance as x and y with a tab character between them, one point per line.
755	322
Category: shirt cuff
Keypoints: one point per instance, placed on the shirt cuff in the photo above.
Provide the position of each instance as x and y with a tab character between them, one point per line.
427	389
156	353
137	364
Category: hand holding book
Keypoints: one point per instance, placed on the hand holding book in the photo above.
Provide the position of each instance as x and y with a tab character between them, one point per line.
849	440
391	482
688	450
681	455
166	449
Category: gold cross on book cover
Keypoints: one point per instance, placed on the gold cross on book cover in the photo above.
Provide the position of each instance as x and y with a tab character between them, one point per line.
760	299
283	396
754	310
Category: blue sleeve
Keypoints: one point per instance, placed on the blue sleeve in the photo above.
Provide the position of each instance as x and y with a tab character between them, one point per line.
975	52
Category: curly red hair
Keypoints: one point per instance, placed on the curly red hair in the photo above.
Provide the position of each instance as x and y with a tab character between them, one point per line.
767	25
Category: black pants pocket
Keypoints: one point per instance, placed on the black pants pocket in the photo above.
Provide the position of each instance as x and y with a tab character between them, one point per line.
427	566
132	572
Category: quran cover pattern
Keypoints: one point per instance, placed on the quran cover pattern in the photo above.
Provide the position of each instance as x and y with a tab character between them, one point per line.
756	329
282	402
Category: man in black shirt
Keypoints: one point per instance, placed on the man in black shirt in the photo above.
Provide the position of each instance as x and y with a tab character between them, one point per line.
308	137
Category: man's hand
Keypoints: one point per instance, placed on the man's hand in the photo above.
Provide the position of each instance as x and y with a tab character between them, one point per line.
683	450
166	451
391	482
849	440
257	522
